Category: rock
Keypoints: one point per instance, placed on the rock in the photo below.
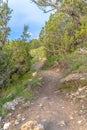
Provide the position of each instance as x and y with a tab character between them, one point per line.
23	119
82	51
62	123
44	98
82	88
41	105
16	122
82	96
71	118
6	126
83	107
27	104
12	104
19	116
34	74
74	77
79	122
32	125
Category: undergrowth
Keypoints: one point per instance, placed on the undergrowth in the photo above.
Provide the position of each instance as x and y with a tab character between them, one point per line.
49	62
76	63
17	89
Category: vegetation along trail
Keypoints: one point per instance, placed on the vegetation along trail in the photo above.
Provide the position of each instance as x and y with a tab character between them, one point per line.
56	98
49	107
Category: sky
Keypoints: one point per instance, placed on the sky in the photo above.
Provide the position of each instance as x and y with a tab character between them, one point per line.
26	13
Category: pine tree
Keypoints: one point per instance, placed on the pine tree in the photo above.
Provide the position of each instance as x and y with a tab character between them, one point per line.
25	34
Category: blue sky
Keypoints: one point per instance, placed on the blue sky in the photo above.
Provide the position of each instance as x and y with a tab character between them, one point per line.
25	12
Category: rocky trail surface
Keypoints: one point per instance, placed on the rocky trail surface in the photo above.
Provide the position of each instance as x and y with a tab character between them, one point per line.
50	107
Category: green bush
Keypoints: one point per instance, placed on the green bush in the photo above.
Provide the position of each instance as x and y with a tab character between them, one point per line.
15	60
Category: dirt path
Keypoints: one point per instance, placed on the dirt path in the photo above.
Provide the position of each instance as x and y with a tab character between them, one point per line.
50	107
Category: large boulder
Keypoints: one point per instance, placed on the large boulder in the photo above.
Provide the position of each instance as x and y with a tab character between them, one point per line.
74	77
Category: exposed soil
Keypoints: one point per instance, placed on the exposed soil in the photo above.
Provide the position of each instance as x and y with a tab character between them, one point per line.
50	107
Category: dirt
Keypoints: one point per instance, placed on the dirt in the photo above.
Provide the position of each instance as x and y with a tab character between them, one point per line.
50	107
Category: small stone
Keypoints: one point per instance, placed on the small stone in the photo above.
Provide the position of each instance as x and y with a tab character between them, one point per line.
44	98
71	118
27	104
82	96
6	126
79	122
10	114
41	105
23	119
38	117
75	112
57	91
12	104
13	108
44	120
18	116
62	123
83	106
32	103
16	122
34	74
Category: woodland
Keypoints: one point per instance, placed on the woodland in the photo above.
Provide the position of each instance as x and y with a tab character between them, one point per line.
62	40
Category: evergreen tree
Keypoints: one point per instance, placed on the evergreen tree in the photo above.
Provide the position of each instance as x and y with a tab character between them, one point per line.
58	34
25	34
66	28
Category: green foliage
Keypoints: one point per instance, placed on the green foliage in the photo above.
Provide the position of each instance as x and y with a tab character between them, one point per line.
19	51
66	28
57	36
68	86
15	60
60	39
37	54
5	16
18	89
75	61
34	44
49	62
81	33
79	64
